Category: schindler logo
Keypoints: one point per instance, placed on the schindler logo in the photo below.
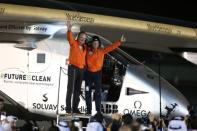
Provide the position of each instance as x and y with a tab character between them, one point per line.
24	77
109	108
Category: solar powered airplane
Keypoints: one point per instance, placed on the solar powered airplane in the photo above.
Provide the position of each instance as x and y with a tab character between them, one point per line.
34	53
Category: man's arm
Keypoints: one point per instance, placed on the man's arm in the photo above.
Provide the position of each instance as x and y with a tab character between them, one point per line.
70	34
111	47
114	45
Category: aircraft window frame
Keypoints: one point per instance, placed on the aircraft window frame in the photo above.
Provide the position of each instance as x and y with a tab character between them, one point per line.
112	79
127	59
120	55
123	58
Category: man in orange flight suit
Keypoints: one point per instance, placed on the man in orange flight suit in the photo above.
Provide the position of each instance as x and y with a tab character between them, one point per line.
94	61
75	69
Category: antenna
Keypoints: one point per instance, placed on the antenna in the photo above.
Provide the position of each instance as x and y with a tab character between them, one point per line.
158	58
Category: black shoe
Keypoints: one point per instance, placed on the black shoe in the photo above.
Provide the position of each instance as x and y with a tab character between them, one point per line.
68	111
77	112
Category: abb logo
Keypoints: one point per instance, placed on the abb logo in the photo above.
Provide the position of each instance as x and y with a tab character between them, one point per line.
109	108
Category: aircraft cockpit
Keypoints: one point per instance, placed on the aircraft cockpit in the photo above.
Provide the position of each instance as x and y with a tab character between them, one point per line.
112	78
114	69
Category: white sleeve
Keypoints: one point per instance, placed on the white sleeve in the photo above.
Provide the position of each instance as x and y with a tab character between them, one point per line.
100	128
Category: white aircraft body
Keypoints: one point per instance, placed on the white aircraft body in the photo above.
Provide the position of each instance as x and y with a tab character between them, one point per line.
34	52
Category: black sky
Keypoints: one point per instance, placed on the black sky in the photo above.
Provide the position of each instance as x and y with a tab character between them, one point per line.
183	9
182	12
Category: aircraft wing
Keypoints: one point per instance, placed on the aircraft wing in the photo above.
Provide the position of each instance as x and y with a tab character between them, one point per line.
139	34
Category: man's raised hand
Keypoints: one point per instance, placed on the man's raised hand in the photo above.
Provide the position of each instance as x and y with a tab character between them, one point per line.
69	26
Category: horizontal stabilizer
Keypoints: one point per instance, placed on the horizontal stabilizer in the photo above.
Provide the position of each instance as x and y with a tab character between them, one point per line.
131	91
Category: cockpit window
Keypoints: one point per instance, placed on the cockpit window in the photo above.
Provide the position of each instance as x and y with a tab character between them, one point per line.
113	72
122	56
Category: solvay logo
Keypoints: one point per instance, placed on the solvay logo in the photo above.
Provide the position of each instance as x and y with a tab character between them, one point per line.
109	108
45	98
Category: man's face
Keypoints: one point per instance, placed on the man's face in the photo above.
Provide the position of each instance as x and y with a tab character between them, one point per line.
95	44
82	38
1	105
